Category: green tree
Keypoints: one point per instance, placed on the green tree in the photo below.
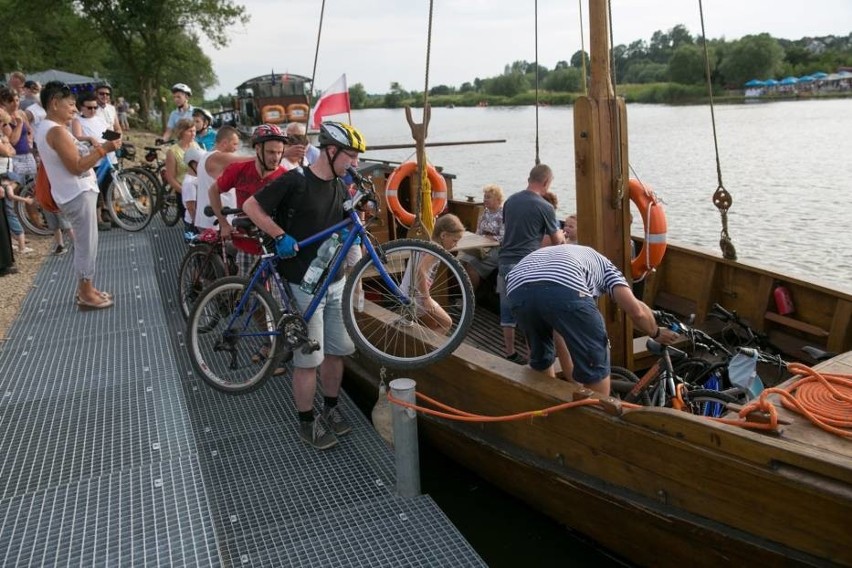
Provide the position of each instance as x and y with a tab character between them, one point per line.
568	80
157	41
440	90
357	96
687	65
646	72
507	85
578	58
466	87
754	56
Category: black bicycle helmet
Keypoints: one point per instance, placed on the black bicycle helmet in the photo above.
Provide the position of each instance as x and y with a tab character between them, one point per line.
341	135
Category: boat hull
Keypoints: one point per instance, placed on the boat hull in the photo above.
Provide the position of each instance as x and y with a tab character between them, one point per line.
657	486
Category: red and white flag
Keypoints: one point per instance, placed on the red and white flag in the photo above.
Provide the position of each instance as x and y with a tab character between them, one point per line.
334	100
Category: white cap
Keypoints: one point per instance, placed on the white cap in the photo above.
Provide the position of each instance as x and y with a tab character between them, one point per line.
193	155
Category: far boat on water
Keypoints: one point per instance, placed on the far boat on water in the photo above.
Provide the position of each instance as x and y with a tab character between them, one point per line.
274	98
657	485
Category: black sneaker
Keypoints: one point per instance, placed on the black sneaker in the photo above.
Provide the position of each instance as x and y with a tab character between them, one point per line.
316	434
59	250
335	420
516	358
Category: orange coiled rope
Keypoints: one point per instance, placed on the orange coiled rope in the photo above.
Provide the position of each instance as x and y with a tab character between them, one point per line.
462	416
823	398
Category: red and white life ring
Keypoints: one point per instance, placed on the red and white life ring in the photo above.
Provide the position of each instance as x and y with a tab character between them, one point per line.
436	180
654	222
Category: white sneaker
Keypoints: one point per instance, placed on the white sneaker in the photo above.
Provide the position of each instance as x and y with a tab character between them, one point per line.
27	250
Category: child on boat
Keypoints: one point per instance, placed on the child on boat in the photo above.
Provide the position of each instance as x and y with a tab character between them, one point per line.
481	263
448	232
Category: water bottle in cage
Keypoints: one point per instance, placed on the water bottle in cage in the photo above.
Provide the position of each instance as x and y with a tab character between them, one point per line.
318	265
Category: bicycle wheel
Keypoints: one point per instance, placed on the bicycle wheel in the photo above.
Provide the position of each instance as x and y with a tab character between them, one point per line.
621	384
171	207
31	216
149	177
691	369
708	402
201	265
129	201
395	333
234	349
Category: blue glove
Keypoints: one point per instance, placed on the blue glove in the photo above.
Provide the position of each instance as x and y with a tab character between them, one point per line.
286	246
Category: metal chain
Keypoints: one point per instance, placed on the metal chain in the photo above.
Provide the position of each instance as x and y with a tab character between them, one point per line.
721	198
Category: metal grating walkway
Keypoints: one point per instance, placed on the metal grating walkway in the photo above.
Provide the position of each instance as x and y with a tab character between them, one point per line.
115	454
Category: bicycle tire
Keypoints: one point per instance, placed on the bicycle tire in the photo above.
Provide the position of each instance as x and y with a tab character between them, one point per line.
200	267
692	369
129	201
31	216
171	207
708	402
392	334
148	176
225	358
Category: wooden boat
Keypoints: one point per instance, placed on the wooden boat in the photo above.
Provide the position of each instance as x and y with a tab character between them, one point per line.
655	485
274	98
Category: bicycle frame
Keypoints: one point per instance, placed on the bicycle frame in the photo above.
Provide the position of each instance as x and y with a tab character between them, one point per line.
355	229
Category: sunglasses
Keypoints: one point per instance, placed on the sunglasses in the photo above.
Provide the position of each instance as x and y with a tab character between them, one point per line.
103	93
90	107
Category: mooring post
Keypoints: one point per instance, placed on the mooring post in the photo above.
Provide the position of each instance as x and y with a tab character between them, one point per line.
405	445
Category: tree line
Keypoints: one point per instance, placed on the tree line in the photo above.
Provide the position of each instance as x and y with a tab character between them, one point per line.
674	57
143	46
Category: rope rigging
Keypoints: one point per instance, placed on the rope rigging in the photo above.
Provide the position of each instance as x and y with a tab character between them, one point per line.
721	198
537	157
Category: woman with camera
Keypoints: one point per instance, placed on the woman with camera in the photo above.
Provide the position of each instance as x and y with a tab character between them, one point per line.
73	185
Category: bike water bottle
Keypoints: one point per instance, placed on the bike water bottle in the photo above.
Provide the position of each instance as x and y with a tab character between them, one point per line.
318	265
783	300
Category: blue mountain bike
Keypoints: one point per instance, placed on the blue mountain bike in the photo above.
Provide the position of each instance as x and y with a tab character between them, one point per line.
241	329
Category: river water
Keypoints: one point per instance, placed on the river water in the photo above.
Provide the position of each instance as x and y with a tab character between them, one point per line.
787	165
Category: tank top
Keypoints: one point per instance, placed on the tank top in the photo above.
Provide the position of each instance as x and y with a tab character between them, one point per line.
64	185
229	198
22	146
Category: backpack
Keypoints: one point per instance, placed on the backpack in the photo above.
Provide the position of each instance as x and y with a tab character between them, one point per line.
42	191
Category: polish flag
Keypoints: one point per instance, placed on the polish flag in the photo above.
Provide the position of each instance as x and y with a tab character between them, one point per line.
334	100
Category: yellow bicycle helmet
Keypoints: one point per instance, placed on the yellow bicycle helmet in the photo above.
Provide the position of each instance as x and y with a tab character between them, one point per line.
342	135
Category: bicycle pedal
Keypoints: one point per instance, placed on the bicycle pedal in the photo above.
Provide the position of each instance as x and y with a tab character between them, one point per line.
310	346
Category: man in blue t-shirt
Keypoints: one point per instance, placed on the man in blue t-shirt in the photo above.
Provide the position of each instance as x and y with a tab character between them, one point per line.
527	219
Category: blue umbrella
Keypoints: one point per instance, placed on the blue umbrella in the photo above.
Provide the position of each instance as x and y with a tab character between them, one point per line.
789	81
819	75
807	79
754	83
770	82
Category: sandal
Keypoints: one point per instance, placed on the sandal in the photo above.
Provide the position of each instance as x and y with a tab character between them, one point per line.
104	295
104	303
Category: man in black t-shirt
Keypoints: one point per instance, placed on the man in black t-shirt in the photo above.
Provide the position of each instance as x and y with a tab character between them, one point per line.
291	208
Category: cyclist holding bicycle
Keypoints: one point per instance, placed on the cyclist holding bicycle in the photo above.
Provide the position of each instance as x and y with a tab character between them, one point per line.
291	208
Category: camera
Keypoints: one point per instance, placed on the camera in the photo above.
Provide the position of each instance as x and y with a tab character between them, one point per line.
110	135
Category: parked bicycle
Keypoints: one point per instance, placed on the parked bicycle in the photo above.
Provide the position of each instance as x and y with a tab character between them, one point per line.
237	317
662	385
128	199
166	200
30	214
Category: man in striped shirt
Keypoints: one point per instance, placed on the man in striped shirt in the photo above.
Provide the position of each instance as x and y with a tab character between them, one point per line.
555	288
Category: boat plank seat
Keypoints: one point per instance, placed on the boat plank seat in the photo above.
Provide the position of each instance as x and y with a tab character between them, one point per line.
486	334
796	324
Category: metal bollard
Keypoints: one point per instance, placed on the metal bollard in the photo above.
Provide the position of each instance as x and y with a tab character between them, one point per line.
405	445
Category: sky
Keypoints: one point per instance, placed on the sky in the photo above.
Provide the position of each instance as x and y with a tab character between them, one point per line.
376	42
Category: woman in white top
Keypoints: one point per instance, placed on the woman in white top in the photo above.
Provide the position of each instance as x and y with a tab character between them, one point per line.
73	185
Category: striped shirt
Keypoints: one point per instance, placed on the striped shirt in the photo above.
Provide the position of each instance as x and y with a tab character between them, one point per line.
576	267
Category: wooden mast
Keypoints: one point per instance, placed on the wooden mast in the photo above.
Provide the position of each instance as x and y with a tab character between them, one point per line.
600	156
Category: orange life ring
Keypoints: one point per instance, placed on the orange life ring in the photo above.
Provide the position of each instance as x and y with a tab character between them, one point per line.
654	221
439	191
273	114
298	112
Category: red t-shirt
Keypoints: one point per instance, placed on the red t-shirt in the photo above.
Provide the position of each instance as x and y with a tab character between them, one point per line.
244	177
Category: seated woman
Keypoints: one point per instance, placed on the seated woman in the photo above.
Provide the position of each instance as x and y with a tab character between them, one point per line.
448	232
480	266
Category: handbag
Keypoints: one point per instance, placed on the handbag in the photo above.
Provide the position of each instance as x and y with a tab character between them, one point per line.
42	191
